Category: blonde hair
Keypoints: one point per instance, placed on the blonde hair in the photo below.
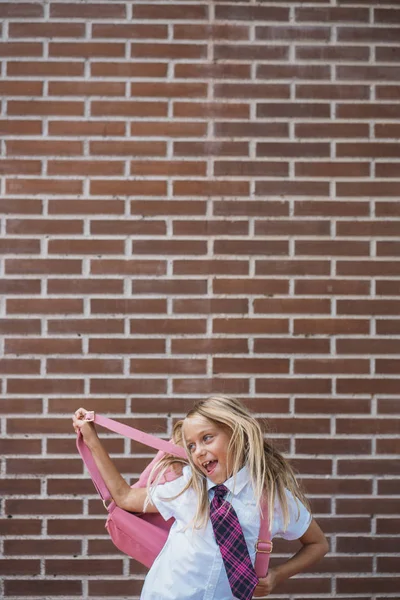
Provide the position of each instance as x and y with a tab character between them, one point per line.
270	473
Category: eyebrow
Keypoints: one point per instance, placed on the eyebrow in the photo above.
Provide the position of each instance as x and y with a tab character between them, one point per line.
202	432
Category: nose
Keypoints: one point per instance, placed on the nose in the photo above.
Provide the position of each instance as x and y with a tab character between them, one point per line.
200	450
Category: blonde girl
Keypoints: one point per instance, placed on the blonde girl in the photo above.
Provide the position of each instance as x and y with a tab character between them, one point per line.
225	445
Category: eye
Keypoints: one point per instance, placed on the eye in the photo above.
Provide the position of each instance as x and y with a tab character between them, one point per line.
208	438
190	447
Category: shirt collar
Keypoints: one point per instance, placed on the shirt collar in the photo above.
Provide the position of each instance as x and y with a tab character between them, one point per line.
234	484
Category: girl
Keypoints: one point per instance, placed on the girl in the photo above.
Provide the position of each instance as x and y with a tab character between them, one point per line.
230	467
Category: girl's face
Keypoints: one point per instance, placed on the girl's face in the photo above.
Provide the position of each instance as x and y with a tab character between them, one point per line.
207	444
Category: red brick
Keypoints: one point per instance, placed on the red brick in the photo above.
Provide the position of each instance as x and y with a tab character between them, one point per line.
334	14
292	188
169	90
131	267
92	88
289	305
331	248
211	267
298	227
331	366
46	30
332	287
90	10
23	49
42	346
330	130
84	567
170	50
125	148
43	148
293	149
327	208
170	326
17	167
168	168
122	187
331	326
85	167
20	567
14	127
210	228
250	365
121	306
250	325
368	34
128	70
332	92
334	406
332	169
88	128
43	186
252	90
49	588
293	34
207	70
171	12
170	287
209	346
86	49
168	207
44	266
126	346
28	9
249	286
367	188
45	108
128	31
333	53
168	366
213	31
86	326
86	207
292	267
299	71
212	305
128	227
211	188
251	208
165	129
250	52
291	346
45	69
215	110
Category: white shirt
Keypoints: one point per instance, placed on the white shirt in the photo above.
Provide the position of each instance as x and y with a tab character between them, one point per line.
190	566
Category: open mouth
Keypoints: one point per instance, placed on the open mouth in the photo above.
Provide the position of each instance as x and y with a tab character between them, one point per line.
210	466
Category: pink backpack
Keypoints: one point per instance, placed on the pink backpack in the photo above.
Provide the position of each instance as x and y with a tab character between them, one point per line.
143	535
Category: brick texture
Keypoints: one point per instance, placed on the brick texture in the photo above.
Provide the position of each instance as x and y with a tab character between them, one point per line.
199	197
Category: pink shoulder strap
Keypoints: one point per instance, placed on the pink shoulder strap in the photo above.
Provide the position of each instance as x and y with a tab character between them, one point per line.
264	543
126	431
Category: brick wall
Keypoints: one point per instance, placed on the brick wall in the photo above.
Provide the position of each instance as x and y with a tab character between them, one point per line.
199	197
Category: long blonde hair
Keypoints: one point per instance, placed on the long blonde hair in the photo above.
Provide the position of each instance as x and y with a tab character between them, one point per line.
270	473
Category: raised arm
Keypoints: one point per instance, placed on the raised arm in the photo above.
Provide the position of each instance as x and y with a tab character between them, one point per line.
131	499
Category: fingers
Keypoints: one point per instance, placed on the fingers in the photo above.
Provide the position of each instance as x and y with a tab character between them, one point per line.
78	419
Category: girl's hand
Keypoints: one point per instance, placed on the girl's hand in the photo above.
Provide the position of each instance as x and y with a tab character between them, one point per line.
266	584
85	427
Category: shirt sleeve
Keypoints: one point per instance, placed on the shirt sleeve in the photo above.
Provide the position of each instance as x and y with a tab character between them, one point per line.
299	519
163	496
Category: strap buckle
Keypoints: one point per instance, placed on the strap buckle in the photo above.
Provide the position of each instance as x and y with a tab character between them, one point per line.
264	542
107	506
89	416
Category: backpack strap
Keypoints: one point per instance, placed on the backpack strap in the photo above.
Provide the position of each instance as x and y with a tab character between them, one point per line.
125	430
264	542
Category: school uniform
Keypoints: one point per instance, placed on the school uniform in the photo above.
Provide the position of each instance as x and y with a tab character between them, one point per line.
190	565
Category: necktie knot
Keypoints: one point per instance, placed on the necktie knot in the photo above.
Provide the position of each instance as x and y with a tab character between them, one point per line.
220	491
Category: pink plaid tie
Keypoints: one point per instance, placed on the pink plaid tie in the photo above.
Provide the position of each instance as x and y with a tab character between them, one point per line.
230	539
